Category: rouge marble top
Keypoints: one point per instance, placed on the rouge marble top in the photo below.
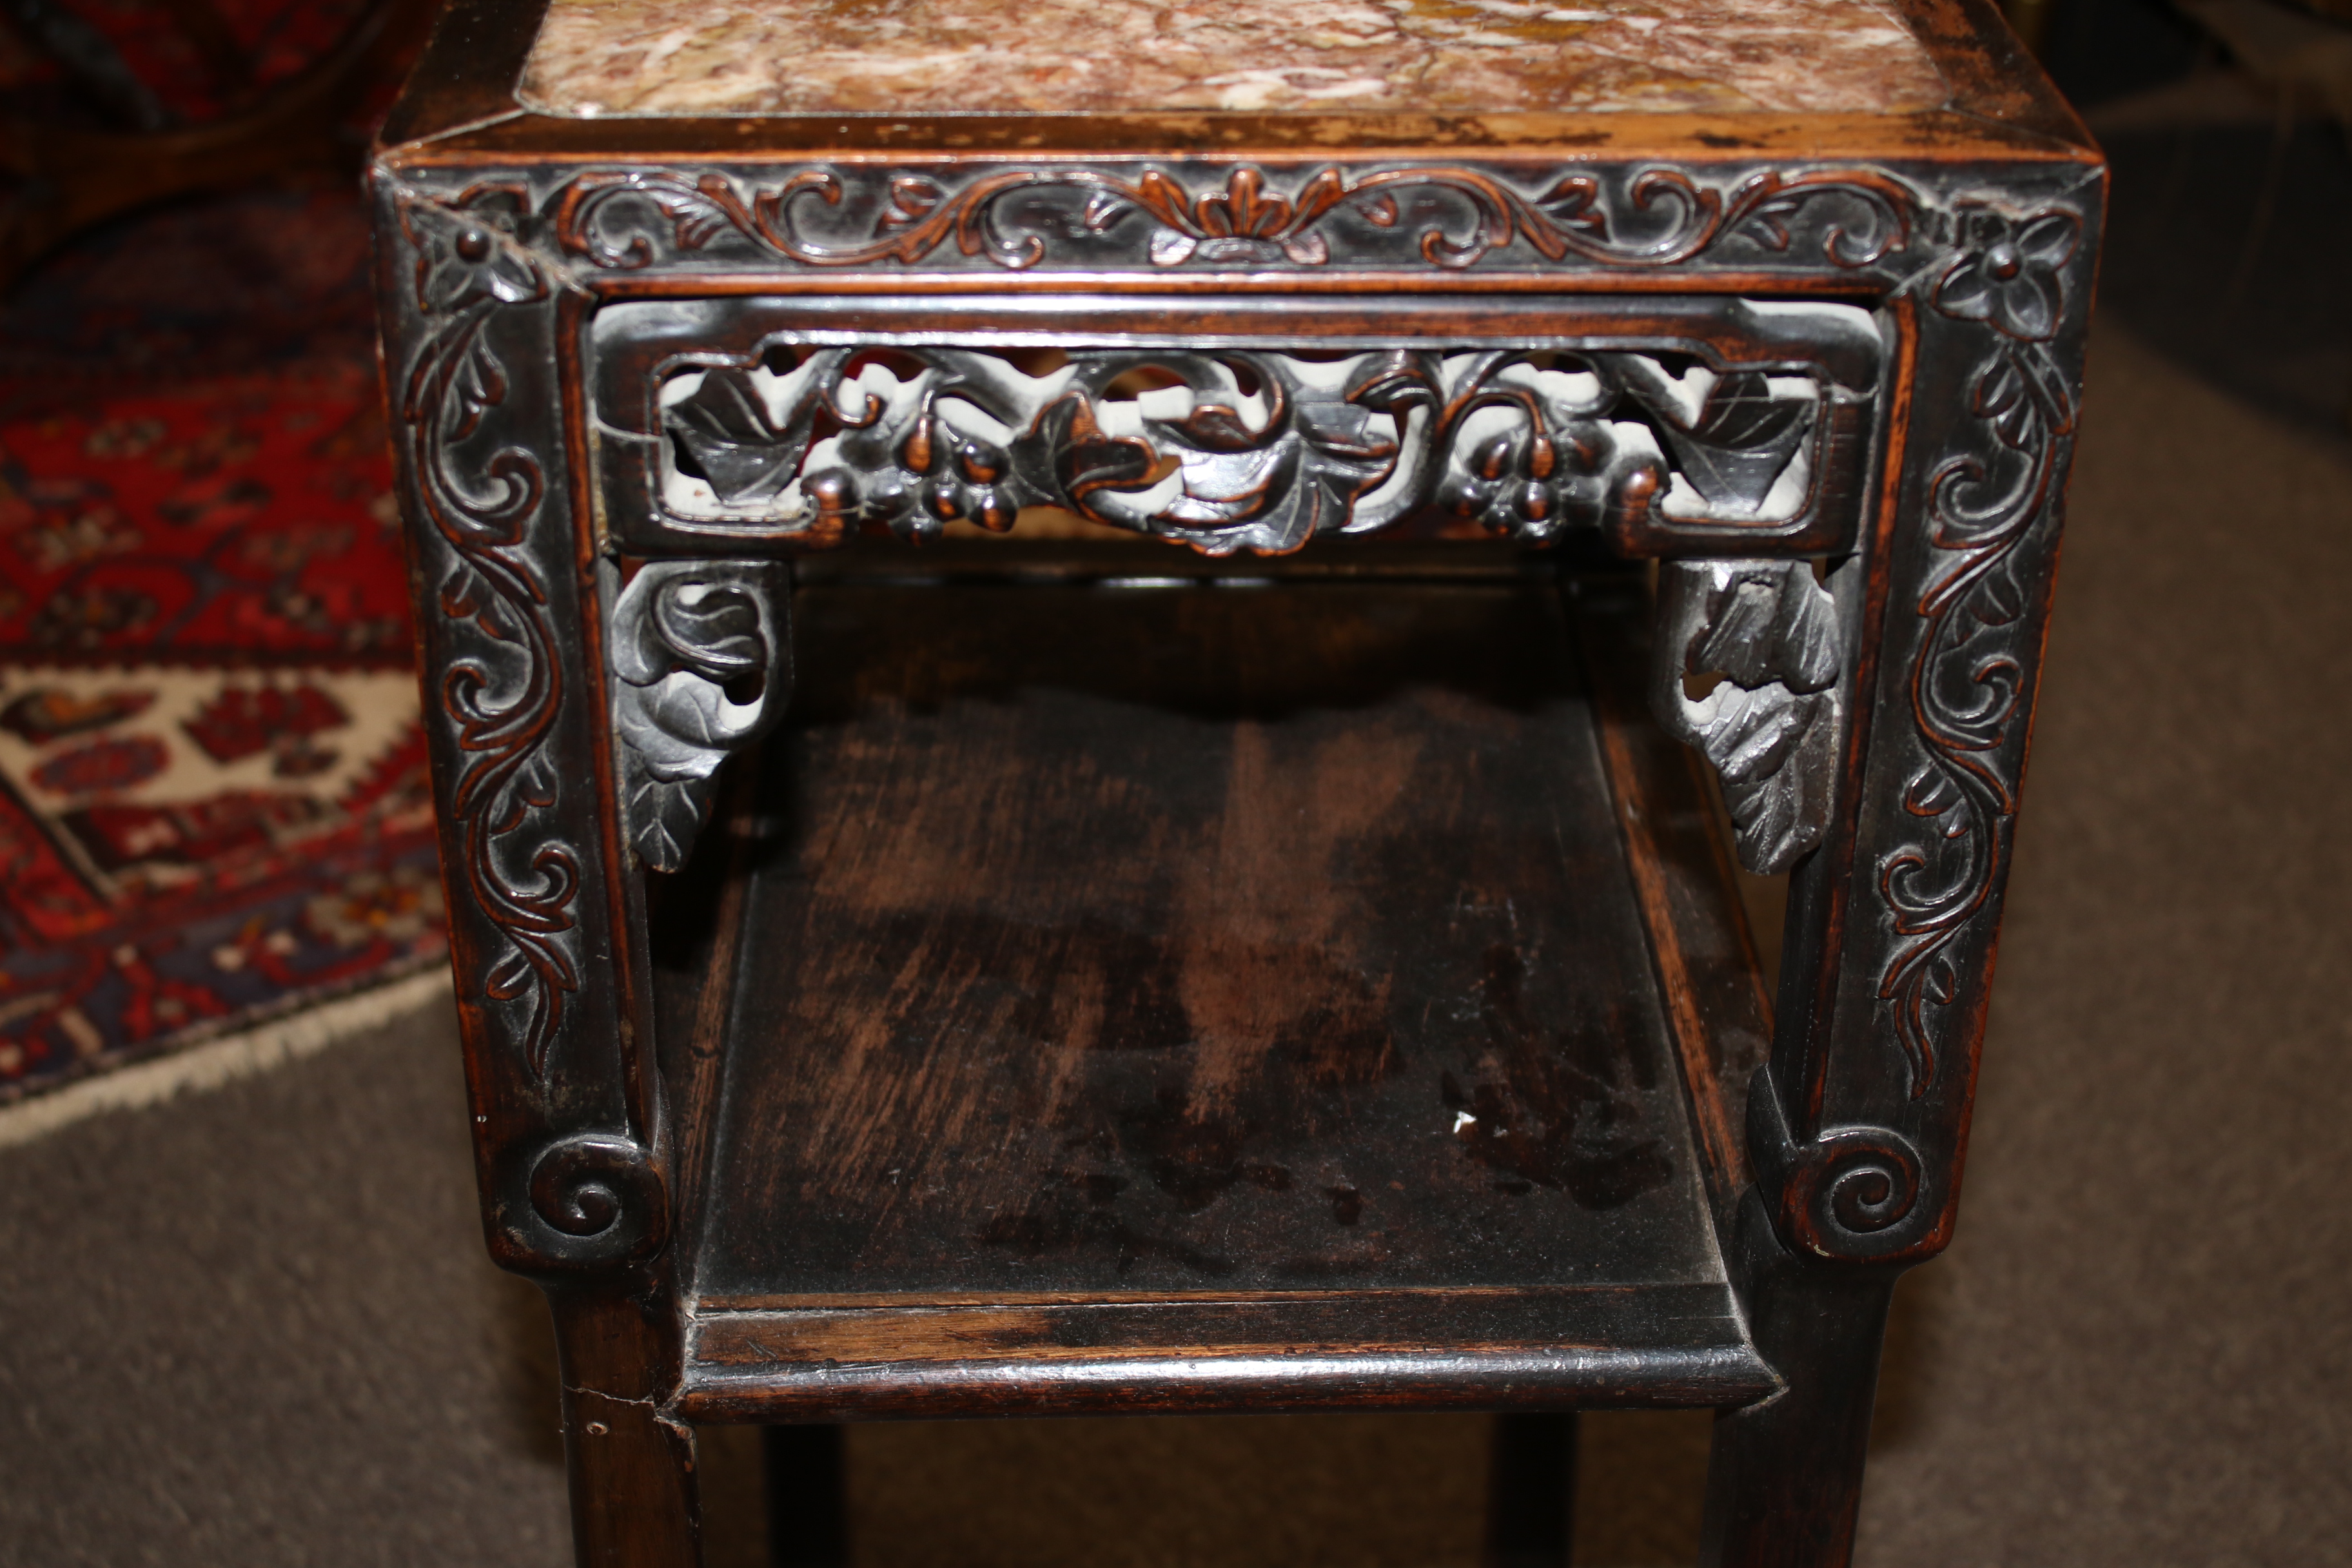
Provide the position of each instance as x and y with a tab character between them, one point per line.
1028	56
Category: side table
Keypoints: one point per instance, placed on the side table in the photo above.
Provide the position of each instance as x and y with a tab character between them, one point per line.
1282	971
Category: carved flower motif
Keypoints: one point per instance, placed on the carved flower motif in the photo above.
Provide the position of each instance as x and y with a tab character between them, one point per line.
1245	222
2008	274
469	251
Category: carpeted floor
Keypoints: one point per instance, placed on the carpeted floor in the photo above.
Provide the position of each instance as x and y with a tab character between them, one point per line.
255	1328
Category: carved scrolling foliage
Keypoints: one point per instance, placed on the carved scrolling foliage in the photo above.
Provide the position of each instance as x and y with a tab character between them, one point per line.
585	1198
702	659
502	691
1236	449
1998	295
1987	505
1774	725
1659	217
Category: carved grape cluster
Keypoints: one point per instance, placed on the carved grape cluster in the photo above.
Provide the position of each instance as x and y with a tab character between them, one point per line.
1535	484
934	475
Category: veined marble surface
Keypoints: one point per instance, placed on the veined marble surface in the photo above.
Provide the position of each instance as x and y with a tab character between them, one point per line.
951	56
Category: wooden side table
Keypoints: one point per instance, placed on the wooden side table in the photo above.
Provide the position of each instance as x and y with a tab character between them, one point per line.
1289	972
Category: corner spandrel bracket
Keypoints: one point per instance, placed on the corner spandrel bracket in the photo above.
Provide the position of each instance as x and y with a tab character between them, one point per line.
1773	724
702	666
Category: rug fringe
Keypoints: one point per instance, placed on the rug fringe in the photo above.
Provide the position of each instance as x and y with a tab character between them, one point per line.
224	1060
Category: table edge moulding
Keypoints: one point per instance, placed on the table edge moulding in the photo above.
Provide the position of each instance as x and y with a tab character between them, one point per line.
656	378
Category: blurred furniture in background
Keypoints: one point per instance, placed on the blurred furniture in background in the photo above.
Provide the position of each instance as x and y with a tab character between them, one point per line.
122	141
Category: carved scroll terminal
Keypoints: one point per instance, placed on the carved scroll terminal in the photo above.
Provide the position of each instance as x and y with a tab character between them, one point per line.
1773	722
601	1199
702	660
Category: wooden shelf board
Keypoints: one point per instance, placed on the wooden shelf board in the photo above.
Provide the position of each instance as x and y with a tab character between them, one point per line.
1652	1345
1194	993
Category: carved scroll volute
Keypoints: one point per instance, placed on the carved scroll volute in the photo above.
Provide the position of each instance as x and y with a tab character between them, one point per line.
701	654
1847	1191
1773	723
600	1199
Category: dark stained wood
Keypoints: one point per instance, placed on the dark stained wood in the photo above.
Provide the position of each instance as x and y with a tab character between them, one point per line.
633	344
807	1475
630	1462
1531	1477
1689	894
1610	1345
695	926
467	74
1182	1023
1784	1481
1163	938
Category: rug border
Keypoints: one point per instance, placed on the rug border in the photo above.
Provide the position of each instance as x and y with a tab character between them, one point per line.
210	1063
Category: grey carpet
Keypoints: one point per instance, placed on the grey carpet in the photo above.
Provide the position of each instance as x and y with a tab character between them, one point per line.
255	1328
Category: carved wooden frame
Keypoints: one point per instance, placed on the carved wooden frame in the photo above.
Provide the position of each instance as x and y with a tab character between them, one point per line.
1981	278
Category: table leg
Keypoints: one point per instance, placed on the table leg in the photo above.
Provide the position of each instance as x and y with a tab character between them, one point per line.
806	1476
634	1498
1784	1484
1532	1490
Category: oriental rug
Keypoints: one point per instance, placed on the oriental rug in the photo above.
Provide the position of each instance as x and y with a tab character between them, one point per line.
213	808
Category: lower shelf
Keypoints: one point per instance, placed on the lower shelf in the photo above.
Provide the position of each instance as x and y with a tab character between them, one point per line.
1209	996
1649	1344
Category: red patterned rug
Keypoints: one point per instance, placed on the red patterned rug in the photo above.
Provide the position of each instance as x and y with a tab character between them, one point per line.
213	802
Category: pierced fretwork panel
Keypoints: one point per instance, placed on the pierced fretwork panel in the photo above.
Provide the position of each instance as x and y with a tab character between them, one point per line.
807	436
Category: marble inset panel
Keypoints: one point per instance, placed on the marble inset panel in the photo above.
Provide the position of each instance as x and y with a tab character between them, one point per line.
1031	57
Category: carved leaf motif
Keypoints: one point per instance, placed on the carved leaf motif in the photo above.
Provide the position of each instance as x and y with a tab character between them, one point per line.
1932	794
1575	203
912	199
1739	443
1308	250
468	255
716	633
1083	460
1201	460
688	638
1988	500
1170	248
1776	754
724	428
1774	722
1768	628
665	816
1854	216
1274	491
502	686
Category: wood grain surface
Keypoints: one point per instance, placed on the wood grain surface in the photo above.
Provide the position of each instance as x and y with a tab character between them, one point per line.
1183	937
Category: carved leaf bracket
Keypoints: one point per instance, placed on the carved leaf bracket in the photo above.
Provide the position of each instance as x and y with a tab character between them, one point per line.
701	654
1774	724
